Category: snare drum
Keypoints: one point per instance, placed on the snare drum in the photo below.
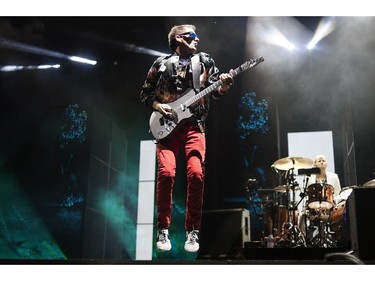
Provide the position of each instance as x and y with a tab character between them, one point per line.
320	196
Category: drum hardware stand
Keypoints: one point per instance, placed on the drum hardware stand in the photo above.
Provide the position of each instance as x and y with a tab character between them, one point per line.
291	237
322	239
303	195
291	234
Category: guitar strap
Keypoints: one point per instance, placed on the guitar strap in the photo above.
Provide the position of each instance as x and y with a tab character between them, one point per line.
196	71
195	66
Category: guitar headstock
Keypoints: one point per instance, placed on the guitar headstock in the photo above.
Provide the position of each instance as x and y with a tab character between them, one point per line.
252	62
247	65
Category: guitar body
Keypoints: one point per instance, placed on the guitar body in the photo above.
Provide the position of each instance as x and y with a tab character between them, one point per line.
161	127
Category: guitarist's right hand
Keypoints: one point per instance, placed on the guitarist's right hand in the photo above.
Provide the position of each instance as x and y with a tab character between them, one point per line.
163	108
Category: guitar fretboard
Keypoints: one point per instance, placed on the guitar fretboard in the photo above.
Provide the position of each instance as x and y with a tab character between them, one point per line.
218	83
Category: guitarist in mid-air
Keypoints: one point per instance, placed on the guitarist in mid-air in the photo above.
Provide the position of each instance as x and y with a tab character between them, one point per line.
169	78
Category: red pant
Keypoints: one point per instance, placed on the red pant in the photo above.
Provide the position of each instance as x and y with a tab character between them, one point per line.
193	141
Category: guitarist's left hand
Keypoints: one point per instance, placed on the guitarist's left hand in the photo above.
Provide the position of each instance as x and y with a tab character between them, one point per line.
227	80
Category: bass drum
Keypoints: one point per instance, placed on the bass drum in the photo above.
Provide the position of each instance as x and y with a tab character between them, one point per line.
338	223
318	215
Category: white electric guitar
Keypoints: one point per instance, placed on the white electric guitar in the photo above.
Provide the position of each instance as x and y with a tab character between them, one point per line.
162	126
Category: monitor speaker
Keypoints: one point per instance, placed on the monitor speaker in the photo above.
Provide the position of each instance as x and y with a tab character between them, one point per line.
361	203
224	232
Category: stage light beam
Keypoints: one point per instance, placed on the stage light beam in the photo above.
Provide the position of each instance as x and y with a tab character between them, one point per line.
10	44
325	27
82	60
9	68
275	37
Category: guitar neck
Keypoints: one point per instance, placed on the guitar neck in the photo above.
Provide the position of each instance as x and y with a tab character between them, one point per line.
218	83
203	93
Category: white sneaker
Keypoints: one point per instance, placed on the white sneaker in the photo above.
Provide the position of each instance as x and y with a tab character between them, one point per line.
192	241
163	244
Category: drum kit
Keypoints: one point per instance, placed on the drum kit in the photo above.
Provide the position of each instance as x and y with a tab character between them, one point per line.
311	218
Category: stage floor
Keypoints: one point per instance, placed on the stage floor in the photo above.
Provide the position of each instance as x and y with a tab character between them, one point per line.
254	256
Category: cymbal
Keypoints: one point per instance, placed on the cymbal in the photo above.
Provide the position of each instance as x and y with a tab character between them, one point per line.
284	188
260	190
292	162
370	183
